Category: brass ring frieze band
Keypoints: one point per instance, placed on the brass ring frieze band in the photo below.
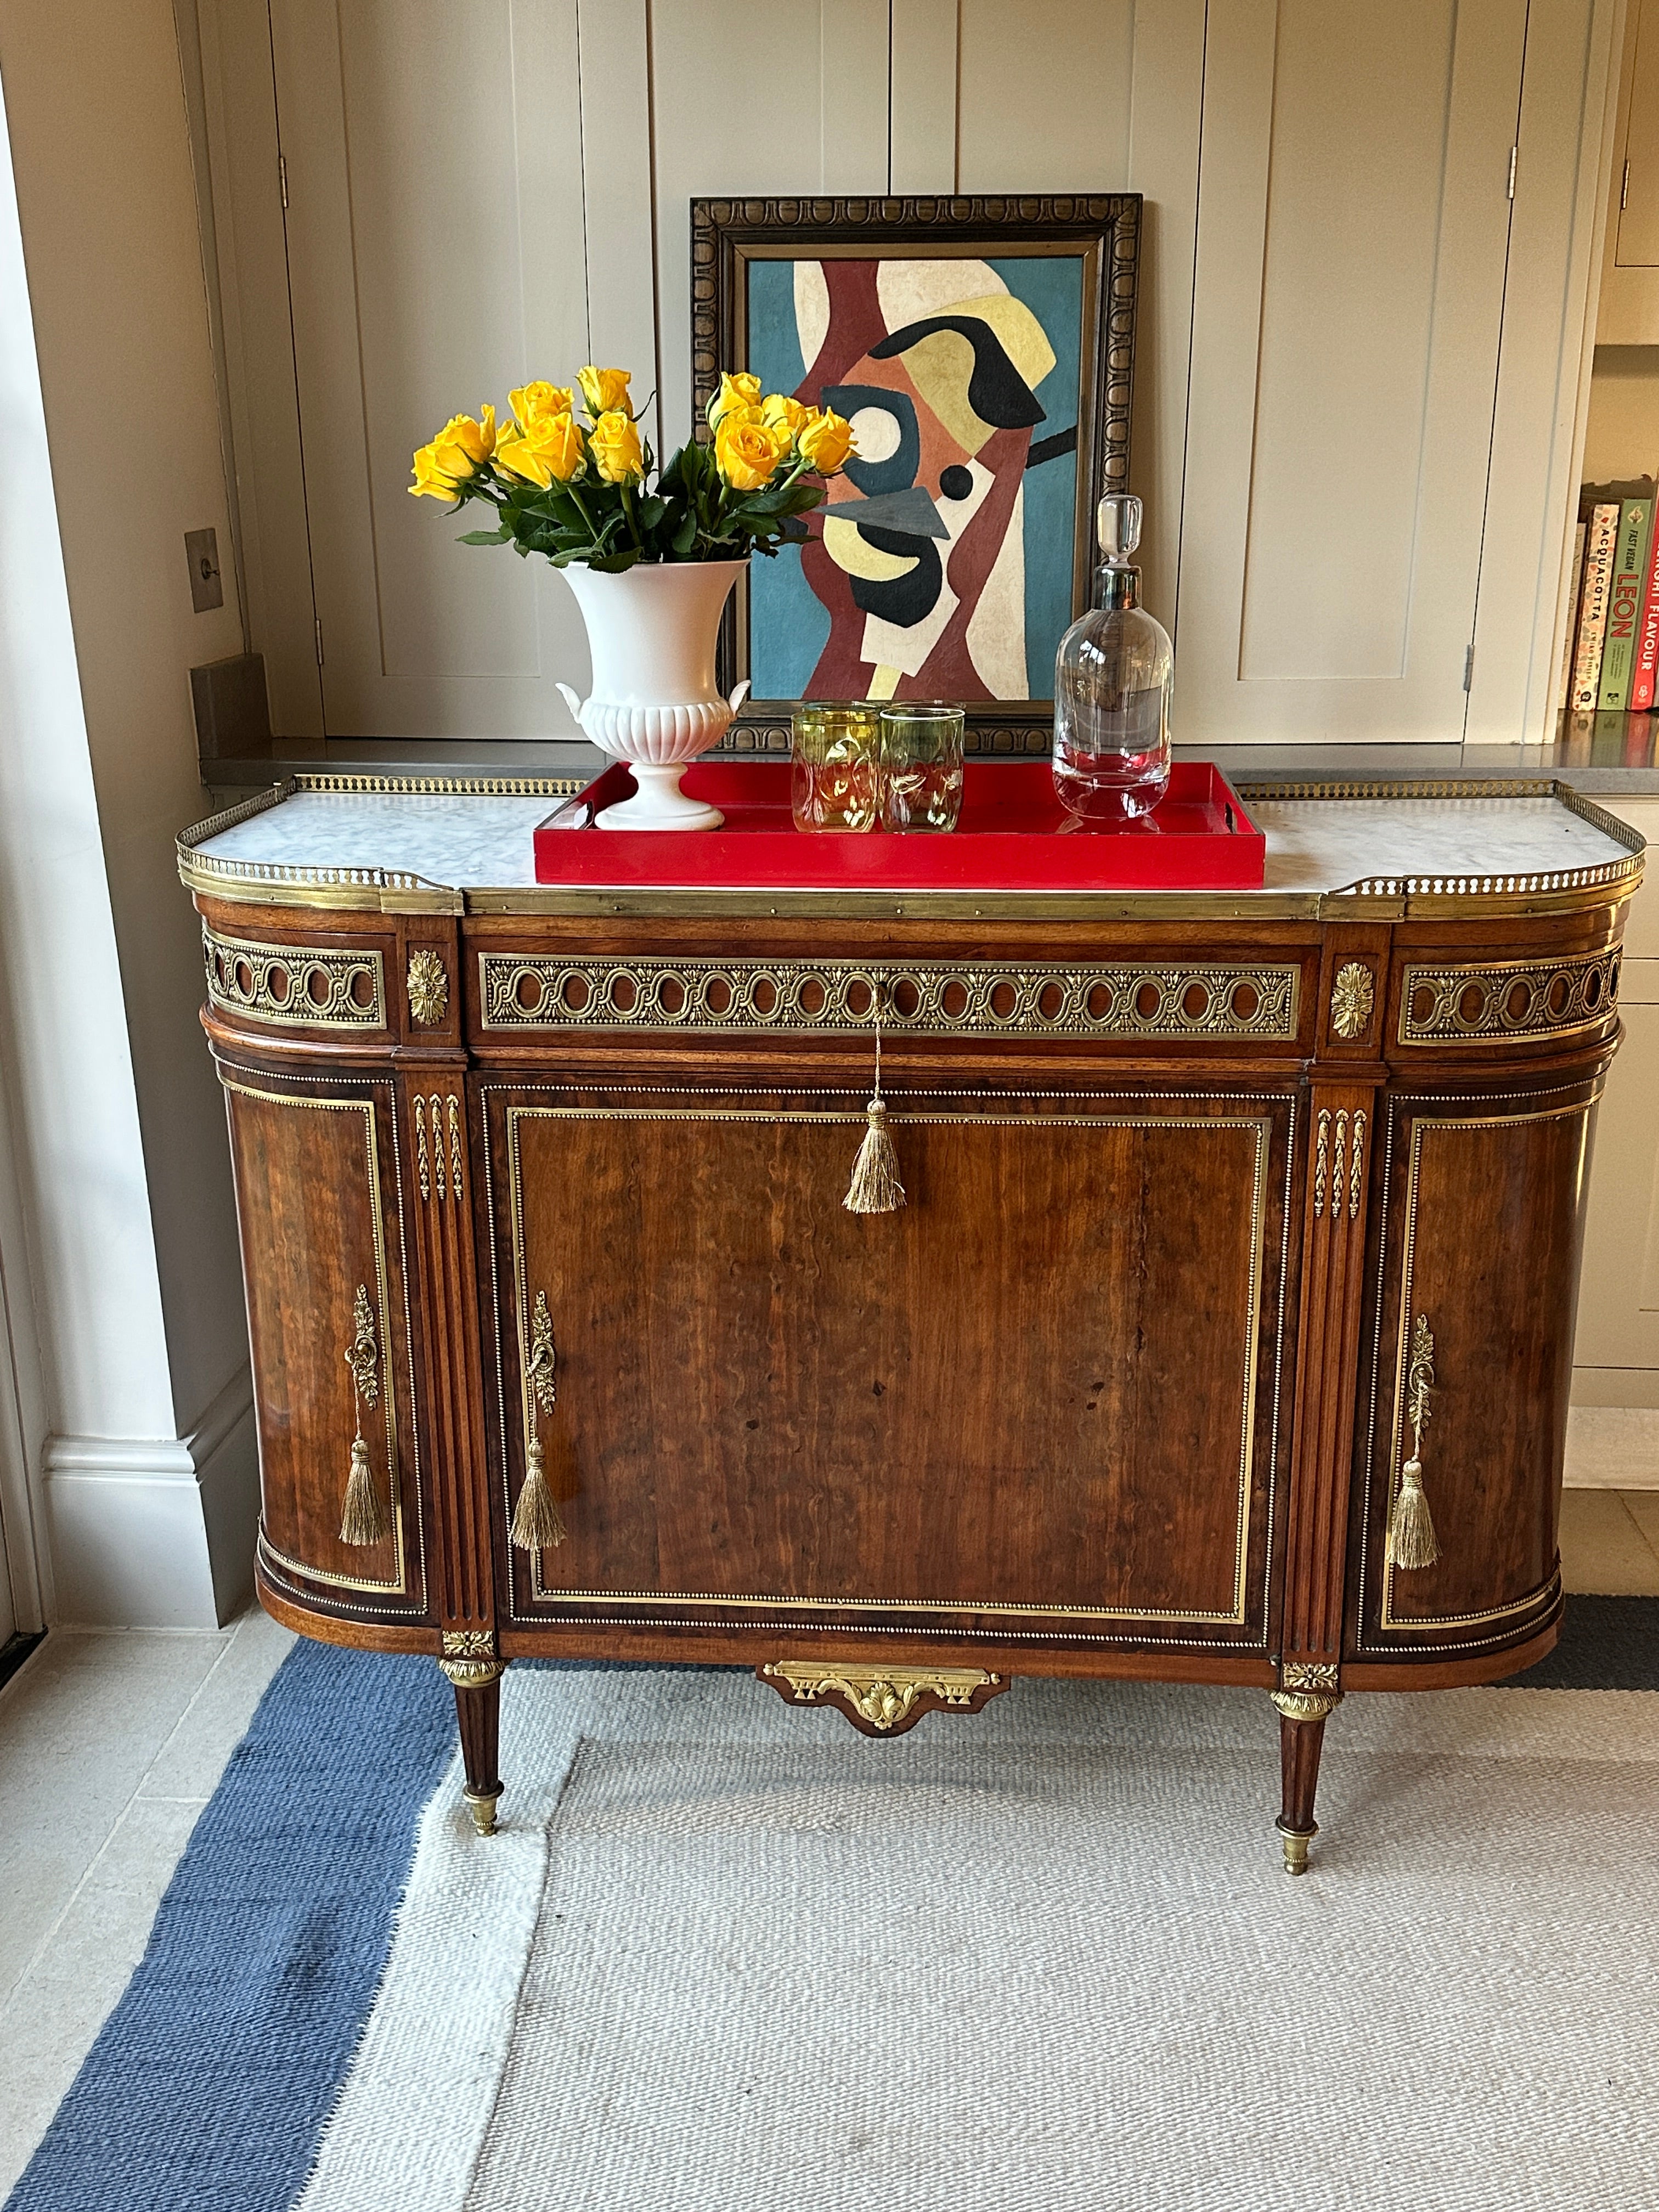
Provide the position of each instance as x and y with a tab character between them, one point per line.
295	985
1494	1002
1144	998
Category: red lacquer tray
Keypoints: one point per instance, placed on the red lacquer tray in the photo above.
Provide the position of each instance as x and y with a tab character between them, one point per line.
1014	835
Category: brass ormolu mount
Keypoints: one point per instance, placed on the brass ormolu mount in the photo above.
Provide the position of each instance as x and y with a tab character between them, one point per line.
883	1701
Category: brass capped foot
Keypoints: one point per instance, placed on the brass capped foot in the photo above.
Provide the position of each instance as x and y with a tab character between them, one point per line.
482	1804
1296	1842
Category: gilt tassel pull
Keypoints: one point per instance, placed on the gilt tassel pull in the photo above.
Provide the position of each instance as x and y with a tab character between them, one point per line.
1412	1540
876	1187
537	1523
363	1520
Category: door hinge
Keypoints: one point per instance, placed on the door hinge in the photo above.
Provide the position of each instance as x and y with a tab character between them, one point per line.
1624	189
1515	155
282	173
1469	667
318	627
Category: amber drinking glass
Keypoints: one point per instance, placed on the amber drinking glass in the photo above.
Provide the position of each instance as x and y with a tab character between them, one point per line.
922	765
835	780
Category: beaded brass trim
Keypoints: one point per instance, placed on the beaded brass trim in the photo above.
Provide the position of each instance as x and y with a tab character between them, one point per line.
1143	998
295	985
1495	1001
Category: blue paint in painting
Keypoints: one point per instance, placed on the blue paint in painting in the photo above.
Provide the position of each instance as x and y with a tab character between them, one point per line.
789	624
1052	288
774	341
789	627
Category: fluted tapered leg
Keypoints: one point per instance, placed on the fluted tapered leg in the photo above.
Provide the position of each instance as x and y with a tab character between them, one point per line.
478	1712
1299	1745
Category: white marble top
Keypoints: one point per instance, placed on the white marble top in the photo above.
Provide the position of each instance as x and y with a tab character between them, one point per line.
469	843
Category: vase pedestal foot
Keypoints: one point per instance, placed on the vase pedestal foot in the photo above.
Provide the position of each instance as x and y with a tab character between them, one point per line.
660	804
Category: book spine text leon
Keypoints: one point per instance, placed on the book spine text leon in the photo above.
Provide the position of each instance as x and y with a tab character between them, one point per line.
1598	575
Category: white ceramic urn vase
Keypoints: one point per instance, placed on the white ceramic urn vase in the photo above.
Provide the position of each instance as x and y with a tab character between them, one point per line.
652	631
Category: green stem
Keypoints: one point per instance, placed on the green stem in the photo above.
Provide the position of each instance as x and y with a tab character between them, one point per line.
576	498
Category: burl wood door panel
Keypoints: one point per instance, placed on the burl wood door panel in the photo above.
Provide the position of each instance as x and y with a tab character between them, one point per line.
318	1200
1483	1214
1043	1398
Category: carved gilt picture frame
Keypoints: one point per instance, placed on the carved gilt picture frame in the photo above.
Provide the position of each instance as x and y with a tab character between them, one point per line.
983	346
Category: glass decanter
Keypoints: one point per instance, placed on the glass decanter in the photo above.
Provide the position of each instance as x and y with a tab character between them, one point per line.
1112	679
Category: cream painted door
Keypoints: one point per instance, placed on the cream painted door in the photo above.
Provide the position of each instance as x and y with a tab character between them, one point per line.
1616	1352
1353	230
484	190
1629	305
436	254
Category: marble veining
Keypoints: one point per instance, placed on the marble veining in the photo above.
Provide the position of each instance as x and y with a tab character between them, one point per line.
465	843
1322	844
1313	845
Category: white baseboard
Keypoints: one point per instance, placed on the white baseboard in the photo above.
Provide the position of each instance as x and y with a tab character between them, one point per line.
1613	1448
156	1532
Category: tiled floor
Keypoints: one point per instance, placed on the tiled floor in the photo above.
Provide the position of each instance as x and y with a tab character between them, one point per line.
110	1745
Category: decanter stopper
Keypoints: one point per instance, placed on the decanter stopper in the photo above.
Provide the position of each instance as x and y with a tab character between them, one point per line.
1117	524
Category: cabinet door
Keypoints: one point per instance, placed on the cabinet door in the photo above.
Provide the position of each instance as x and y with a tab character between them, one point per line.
322	1256
1636	239
435	255
1616	1350
1483	1214
1040	1401
1353	234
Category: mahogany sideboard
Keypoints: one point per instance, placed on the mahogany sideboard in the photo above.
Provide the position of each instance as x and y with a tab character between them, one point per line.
1229	1216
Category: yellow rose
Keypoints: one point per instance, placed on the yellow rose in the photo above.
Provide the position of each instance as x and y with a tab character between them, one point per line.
462	446
430	482
614	441
746	452
738	395
548	451
605	391
532	401
825	441
784	417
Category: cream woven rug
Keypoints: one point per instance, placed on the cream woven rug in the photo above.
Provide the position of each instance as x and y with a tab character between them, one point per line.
727	1956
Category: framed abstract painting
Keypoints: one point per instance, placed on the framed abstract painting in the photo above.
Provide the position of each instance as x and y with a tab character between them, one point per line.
983	349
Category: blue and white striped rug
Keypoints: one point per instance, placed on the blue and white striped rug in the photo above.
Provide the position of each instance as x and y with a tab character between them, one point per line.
727	1956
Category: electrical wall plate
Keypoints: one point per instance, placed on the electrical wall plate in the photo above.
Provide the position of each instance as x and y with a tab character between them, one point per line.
207	588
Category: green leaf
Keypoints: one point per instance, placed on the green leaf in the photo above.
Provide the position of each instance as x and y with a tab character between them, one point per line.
685	534
484	537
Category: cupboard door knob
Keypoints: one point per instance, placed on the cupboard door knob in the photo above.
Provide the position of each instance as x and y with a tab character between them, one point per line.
1412	1541
537	1523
